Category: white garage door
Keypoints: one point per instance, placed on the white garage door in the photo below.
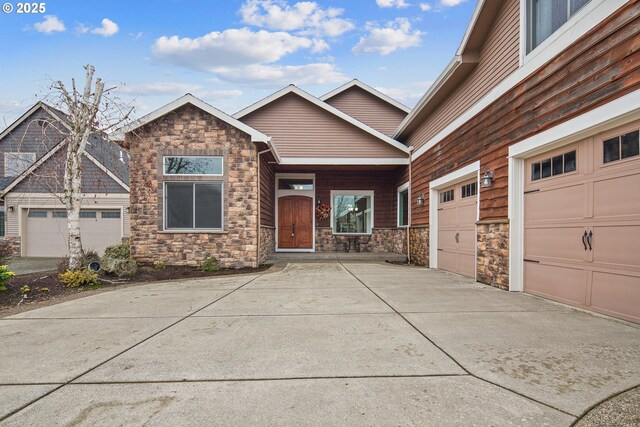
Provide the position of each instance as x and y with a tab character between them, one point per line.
45	231
457	215
582	224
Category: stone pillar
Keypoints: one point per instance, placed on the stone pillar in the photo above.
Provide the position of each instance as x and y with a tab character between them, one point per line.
419	245
267	242
492	262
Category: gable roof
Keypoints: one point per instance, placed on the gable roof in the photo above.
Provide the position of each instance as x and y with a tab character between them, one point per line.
256	136
367	88
54	112
464	61
323	105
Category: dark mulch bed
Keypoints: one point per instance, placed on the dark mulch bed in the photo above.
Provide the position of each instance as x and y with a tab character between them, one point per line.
46	288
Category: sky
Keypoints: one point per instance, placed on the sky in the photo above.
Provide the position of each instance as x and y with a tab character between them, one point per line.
230	53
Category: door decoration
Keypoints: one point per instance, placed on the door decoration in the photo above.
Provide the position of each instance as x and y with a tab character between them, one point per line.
323	211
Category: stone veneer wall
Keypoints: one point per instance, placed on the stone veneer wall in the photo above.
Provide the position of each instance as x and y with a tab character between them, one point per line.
419	244
15	244
382	240
191	131
267	242
492	262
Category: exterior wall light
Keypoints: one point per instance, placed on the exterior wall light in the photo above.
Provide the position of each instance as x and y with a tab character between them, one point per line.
127	209
420	200
10	209
487	180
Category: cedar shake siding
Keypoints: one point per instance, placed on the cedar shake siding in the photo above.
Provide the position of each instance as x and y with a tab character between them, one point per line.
189	130
369	109
498	57
599	68
302	129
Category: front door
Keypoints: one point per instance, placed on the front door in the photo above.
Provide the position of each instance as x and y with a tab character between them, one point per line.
295	222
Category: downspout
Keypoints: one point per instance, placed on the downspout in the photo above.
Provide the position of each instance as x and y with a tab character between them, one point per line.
259	202
409	213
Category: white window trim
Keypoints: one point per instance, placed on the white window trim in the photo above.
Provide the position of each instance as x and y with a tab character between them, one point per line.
191	230
403	187
9	153
611	115
369	193
164	159
455	177
306	193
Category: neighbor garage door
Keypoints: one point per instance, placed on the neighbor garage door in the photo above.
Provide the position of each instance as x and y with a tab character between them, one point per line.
582	224
457	215
45	231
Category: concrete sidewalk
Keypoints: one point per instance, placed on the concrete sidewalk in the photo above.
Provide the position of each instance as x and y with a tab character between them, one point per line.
352	344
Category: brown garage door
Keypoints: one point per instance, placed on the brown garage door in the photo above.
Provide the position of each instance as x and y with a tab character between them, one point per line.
457	215
45	231
582	224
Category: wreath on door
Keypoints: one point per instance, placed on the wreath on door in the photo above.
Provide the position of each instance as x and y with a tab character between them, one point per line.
323	211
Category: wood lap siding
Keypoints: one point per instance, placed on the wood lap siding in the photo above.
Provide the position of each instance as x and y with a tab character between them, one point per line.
600	67
499	57
368	109
301	129
267	191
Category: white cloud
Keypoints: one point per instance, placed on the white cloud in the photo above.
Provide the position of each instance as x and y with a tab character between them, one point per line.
306	17
425	7
408	94
82	29
394	35
159	88
308	74
229	48
224	94
50	25
400	4
451	3
108	28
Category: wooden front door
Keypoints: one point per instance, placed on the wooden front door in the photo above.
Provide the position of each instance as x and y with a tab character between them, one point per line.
295	222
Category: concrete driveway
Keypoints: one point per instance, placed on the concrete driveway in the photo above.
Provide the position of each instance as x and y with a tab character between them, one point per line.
352	344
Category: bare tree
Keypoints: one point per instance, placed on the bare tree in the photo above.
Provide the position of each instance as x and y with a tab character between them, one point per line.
88	112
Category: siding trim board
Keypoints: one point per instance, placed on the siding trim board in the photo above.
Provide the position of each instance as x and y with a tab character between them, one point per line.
367	88
342	161
618	112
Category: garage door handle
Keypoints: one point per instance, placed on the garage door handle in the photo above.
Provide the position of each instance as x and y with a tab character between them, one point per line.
457	237
584	239
589	239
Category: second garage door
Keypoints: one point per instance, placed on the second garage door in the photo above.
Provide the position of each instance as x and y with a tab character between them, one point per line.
457	215
582	224
45	231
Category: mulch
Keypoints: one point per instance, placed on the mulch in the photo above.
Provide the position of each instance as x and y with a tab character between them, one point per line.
46	288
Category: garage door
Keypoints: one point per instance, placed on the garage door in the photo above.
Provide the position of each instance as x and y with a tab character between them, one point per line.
45	231
582	224
457	215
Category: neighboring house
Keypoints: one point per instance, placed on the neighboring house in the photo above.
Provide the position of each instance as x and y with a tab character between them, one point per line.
543	101
34	150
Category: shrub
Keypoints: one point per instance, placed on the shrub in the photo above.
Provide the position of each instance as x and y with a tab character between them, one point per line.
209	264
6	251
5	276
118	251
25	289
82	277
120	267
159	265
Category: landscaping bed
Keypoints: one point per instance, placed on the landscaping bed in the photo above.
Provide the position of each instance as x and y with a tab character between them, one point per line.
46	288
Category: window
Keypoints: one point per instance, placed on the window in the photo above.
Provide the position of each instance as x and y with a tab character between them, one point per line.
352	213
621	147
1	221
470	189
88	214
16	163
446	196
59	214
295	184
546	16
192	165
37	214
110	214
193	205
558	165
403	206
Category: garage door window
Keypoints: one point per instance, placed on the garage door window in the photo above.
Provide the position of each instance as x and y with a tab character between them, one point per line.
447	196
37	214
88	214
621	147
59	214
469	190
193	205
554	166
110	214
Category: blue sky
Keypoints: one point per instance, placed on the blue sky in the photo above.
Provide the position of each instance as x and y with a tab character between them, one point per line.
230	53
